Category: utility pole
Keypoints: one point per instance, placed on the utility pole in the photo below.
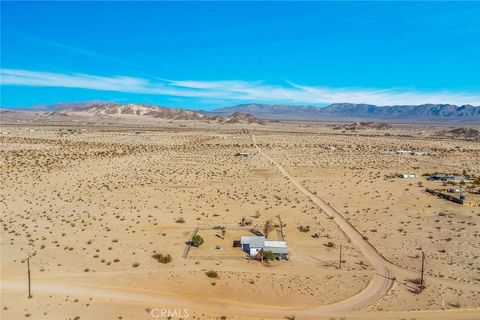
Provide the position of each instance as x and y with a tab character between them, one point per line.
28	272
340	259
423	269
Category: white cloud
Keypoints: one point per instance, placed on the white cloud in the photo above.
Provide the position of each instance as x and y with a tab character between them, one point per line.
234	90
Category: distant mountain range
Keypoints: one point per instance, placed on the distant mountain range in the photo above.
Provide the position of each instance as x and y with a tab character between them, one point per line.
252	113
433	112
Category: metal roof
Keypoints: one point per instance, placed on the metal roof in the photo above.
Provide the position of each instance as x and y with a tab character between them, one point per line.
276	249
253	241
275	244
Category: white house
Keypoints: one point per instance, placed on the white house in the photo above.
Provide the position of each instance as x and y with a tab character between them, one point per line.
254	244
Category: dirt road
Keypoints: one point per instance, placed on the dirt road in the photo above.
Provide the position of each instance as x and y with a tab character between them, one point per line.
382	280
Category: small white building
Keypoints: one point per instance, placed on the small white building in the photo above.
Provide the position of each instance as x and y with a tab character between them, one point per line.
403	151
407	175
243	154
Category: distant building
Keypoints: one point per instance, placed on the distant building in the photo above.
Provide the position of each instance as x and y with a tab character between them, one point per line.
407	175
417	153
252	245
412	153
243	154
447	178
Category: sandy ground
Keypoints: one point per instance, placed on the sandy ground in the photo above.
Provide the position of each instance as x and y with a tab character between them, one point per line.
91	208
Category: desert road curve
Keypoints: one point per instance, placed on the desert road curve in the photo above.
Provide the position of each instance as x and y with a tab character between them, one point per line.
382	280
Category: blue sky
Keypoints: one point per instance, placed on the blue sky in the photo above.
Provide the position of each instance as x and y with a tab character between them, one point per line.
205	55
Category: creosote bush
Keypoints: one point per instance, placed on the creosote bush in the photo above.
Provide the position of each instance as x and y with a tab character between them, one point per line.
180	220
160	257
268	255
212	274
197	240
330	244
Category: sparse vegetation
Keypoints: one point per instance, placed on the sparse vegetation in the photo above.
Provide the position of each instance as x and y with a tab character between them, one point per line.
302	228
162	258
330	244
268	255
197	240
212	274
145	194
180	220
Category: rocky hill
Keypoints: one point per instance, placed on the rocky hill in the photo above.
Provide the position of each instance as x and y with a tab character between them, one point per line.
240	117
460	133
137	110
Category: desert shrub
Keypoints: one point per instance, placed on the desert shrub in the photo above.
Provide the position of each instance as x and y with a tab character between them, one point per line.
268	255
136	264
330	244
304	228
197	240
167	258
212	274
180	220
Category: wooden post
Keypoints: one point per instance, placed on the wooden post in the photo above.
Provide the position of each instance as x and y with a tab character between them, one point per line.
28	272
423	267
340	259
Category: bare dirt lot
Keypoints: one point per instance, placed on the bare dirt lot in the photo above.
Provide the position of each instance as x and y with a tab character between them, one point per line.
90	206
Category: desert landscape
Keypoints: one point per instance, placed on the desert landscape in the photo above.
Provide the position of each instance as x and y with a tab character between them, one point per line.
105	205
223	160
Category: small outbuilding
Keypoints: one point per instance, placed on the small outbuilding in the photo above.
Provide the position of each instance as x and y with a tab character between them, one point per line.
448	178
243	154
407	175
